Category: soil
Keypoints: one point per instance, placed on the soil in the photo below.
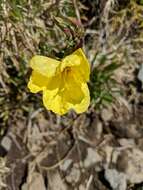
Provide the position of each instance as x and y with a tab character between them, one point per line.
78	155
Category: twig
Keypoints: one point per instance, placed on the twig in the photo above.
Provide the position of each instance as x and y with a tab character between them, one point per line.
59	162
89	182
12	136
12	180
77	12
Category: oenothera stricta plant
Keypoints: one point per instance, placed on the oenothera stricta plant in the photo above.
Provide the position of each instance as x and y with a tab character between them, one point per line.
63	83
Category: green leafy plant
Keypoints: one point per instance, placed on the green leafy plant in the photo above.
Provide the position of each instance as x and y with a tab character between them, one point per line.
102	84
141	2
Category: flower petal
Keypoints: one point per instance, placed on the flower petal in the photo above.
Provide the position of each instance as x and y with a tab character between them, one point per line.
44	65
76	96
53	101
63	94
83	69
78	61
37	82
53	96
84	104
70	61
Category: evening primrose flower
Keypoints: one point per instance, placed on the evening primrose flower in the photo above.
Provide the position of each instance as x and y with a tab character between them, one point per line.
63	83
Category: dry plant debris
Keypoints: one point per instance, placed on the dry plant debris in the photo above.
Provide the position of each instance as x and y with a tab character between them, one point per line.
101	149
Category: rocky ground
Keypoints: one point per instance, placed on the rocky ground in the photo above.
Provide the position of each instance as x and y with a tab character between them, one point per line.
101	149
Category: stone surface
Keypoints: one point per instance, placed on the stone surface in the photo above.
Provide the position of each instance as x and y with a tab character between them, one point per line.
116	179
134	170
66	164
107	114
6	143
92	158
35	181
74	175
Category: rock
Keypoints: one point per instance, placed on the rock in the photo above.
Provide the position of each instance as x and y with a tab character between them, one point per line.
106	114
66	164
126	143
116	179
130	161
24	186
82	187
35	181
92	158
134	171
55	182
74	175
6	143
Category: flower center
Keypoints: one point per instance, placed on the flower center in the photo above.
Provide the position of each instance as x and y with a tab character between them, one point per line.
66	71
66	74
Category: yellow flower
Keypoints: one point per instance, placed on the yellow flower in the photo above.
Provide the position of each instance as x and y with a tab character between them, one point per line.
64	83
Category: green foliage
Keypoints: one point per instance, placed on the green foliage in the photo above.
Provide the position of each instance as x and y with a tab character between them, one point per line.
138	187
102	85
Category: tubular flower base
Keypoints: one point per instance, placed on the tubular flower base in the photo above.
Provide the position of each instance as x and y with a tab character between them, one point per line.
63	83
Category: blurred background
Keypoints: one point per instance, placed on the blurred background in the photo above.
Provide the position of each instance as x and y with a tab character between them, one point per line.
101	149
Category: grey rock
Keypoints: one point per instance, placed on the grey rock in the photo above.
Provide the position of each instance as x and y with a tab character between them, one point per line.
116	179
6	143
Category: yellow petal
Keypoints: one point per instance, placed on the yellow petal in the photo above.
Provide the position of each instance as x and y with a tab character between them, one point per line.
53	95
63	94
37	82
82	70
70	61
44	65
76	95
53	100
78	61
84	104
